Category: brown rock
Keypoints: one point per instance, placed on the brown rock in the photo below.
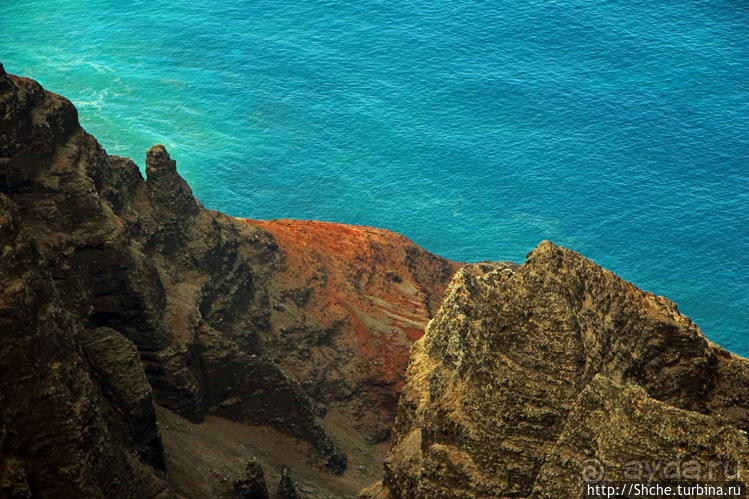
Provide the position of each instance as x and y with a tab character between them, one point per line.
492	383
168	190
252	486
115	363
617	433
286	489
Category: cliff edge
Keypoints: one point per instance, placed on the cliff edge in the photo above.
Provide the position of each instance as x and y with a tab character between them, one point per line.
537	381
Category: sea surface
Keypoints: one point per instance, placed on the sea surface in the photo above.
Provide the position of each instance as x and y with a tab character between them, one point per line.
476	128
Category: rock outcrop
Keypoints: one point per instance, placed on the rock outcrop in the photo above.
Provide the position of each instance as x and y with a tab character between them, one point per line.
252	485
121	293
526	378
286	489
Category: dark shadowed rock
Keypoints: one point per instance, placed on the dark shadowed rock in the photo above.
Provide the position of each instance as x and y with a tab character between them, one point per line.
4	82
168	190
116	364
253	485
69	427
286	489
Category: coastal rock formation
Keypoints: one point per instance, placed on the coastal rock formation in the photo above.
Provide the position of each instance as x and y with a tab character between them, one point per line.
121	295
525	378
152	348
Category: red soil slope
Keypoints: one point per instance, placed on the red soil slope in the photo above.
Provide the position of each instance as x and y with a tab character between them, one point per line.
374	288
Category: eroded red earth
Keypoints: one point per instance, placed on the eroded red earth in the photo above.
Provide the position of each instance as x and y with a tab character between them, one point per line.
376	287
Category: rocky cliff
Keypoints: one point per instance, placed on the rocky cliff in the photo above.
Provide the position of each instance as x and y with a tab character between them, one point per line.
134	323
535	381
152	348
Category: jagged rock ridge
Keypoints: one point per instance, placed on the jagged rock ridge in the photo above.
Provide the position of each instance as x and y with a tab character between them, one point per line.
525	376
120	293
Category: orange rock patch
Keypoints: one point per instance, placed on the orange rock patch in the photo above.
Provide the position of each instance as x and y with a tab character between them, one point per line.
377	286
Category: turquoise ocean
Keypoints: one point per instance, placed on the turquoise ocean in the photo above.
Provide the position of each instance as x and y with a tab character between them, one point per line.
476	128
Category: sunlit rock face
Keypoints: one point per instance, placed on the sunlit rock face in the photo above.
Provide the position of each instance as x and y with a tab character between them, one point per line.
526	376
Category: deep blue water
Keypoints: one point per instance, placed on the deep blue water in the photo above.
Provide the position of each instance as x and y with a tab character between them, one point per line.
477	129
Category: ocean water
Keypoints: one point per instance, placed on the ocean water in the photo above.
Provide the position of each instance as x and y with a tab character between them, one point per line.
475	128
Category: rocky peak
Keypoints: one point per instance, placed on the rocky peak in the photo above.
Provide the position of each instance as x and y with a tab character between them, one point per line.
4	81
159	164
167	188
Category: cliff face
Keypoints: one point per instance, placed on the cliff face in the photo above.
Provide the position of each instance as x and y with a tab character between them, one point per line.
354	300
122	294
530	382
76	410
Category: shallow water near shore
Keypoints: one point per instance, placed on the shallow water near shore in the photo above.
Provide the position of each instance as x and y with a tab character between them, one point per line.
478	129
